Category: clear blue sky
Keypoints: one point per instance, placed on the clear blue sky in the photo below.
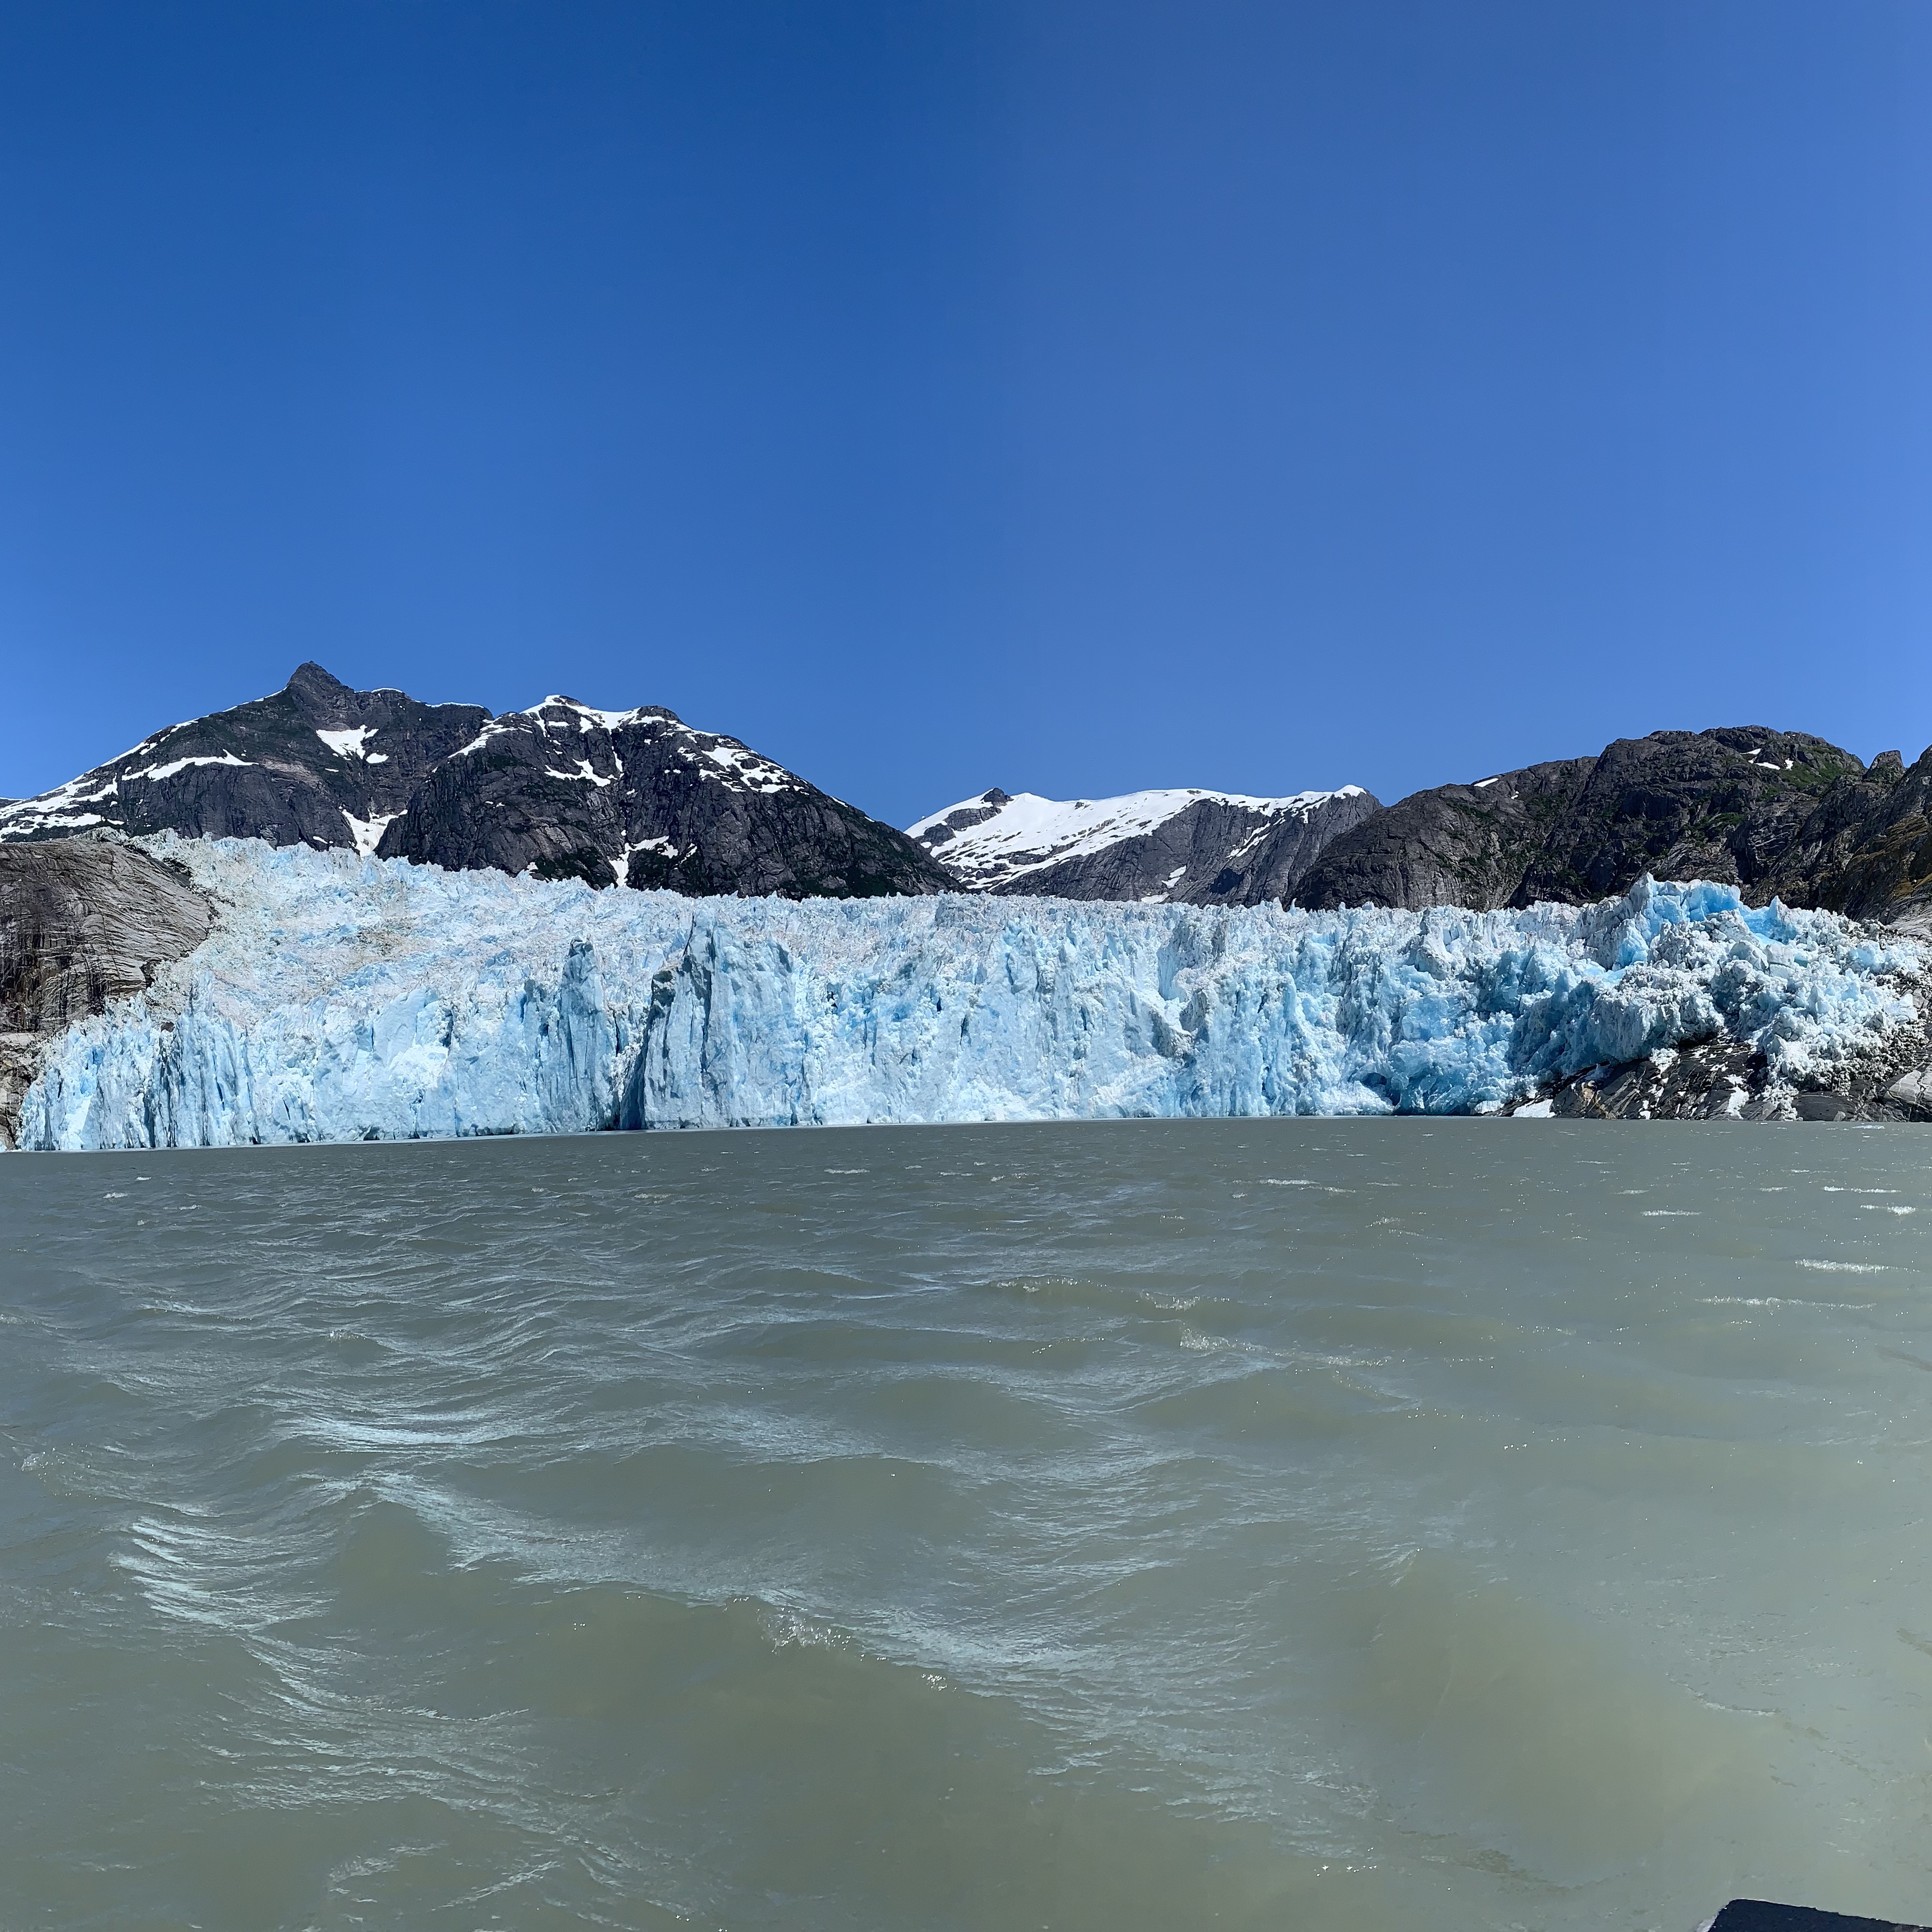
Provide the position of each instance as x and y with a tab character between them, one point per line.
1072	397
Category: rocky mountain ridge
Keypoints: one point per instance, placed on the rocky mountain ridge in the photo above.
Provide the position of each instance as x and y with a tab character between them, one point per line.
561	791
1777	814
640	798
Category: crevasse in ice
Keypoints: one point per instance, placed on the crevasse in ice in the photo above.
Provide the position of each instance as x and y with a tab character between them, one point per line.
345	998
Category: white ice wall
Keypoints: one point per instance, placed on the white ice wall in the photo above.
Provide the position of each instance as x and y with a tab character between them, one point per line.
344	998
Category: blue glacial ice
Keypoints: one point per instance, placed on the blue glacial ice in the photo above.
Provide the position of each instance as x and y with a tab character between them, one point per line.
343	998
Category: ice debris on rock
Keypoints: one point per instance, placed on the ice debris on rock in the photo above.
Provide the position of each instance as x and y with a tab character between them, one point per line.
342	998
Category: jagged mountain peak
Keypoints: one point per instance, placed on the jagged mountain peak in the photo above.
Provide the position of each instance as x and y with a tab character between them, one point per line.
310	679
563	789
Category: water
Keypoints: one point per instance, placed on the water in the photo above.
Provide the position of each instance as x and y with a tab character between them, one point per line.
1301	1524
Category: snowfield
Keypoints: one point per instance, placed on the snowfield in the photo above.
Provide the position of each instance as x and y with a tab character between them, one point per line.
1029	833
343	997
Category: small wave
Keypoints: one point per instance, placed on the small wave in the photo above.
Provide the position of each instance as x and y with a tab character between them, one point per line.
789	1629
1784	1301
1672	1213
1848	1268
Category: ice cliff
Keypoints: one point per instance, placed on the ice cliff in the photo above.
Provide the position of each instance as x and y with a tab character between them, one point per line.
341	997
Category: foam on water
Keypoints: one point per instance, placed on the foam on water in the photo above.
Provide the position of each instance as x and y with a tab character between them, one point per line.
969	1527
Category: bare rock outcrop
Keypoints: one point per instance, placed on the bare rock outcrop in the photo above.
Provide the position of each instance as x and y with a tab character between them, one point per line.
1766	811
82	920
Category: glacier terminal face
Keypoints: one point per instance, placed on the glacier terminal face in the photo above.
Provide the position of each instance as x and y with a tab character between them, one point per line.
345	997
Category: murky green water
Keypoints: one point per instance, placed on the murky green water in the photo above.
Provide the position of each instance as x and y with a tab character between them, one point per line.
1323	1524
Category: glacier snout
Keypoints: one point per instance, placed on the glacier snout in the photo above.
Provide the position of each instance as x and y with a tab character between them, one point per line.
342	998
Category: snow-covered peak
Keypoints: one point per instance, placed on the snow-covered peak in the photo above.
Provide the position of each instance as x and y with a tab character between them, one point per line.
585	717
1026	819
996	839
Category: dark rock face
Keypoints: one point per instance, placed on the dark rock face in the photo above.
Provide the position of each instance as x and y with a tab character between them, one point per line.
639	796
1724	1079
1766	811
1759	1914
315	764
1721	1080
81	921
1466	845
1868	851
1192	848
1723	805
633	796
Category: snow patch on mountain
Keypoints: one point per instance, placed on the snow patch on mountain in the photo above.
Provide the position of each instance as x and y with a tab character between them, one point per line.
174	765
347	998
354	744
56	811
997	839
367	833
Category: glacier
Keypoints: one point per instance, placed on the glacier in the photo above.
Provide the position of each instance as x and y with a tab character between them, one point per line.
343	997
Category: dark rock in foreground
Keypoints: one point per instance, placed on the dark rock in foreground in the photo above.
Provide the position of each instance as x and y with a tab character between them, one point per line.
81	921
1723	1079
1759	1914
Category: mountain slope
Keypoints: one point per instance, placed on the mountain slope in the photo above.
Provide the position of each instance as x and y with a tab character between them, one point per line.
1867	849
1465	845
1768	811
1190	847
315	764
564	790
635	797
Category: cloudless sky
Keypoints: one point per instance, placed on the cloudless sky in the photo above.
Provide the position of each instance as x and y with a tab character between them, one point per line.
1069	396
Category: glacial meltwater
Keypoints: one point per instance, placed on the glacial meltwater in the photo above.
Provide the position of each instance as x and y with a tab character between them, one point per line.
1334	1525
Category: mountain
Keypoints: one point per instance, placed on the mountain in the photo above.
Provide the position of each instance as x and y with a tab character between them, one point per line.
561	791
640	798
1774	813
1185	847
315	764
